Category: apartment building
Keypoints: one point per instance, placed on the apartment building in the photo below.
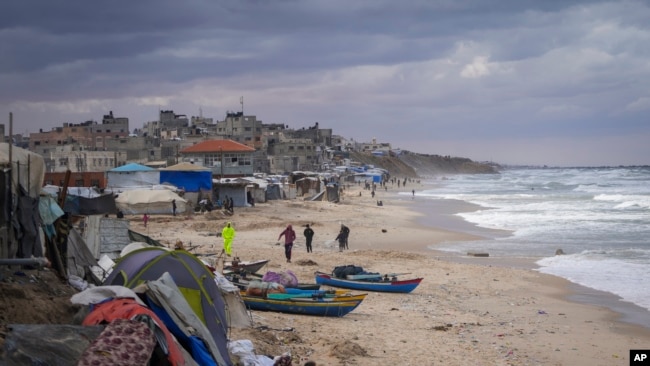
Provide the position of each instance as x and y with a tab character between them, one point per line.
90	134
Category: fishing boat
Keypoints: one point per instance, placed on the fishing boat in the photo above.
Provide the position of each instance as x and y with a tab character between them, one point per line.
237	266
331	307
370	282
242	280
329	295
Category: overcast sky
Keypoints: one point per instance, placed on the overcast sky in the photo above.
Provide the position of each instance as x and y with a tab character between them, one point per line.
513	81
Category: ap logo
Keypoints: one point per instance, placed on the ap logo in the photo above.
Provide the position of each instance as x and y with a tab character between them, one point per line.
639	357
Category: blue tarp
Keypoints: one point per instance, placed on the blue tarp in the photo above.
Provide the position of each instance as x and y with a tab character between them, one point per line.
190	181
132	167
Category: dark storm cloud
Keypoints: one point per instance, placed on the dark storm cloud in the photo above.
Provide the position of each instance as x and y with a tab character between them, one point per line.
461	70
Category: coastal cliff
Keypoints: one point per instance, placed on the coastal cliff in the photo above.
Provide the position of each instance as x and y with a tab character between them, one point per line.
412	165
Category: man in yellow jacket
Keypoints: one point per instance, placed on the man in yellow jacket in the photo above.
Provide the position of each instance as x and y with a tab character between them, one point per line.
228	234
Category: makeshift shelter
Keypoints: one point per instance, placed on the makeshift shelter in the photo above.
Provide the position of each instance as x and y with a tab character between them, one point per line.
100	205
106	235
194	180
20	185
232	188
192	277
274	192
307	185
131	176
330	194
150	201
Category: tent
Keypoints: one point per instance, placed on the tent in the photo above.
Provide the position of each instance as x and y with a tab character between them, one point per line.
192	277
194	180
132	176
189	177
150	201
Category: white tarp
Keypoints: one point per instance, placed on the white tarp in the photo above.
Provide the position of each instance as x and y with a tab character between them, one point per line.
29	168
117	180
135	202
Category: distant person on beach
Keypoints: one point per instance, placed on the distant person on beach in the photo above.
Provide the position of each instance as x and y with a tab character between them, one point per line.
228	234
341	238
289	238
145	219
174	207
346	235
309	234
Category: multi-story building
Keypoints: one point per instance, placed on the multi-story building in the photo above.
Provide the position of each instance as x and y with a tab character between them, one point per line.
90	135
226	158
289	154
137	149
373	147
77	159
246	130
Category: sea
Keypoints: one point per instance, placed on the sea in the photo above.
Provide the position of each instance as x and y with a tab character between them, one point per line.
598	217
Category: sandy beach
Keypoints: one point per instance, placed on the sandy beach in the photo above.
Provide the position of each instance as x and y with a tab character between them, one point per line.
467	311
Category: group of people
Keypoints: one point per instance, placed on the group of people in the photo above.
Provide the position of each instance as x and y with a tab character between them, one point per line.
228	234
342	238
228	205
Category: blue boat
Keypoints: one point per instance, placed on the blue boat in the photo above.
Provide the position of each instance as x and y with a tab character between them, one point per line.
377	283
335	307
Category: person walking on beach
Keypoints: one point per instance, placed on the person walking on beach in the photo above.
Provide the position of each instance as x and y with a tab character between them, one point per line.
228	234
341	239
145	219
174	207
289	238
346	234
309	234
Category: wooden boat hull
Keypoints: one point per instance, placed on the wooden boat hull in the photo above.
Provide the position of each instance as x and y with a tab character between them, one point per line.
398	286
321	307
327	297
244	266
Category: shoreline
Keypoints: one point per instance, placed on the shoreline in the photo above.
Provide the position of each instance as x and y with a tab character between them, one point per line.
623	311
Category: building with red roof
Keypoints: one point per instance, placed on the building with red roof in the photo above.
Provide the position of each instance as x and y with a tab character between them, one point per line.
226	158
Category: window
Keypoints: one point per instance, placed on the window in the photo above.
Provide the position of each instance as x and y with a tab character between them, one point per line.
94	182
79	182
